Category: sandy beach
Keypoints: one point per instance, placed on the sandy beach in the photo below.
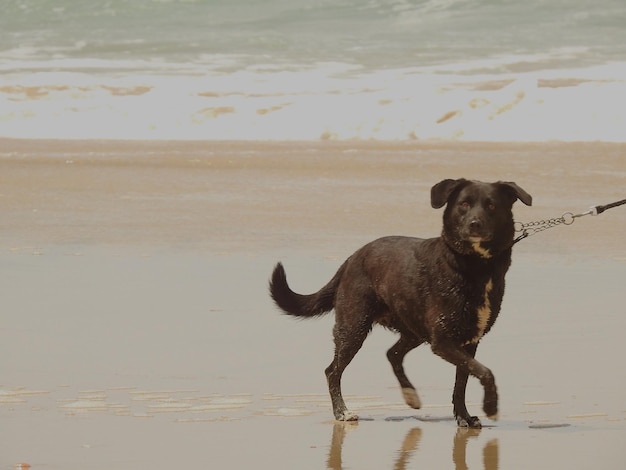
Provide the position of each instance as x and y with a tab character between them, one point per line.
136	329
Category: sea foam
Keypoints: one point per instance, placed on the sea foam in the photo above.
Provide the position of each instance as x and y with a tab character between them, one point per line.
328	101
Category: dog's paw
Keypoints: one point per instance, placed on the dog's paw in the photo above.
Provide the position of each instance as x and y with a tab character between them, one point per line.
411	398
469	422
490	407
346	416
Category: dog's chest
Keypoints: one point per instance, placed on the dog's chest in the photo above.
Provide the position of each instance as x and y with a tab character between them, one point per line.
483	313
472	315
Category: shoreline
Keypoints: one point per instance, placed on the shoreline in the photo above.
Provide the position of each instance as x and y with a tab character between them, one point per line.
307	195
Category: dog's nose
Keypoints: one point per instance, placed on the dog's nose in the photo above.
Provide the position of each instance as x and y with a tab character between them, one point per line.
475	224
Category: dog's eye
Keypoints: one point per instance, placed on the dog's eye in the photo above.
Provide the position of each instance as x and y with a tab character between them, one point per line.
491	207
465	205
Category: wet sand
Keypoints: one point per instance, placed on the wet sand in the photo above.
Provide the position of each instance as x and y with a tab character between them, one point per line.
136	329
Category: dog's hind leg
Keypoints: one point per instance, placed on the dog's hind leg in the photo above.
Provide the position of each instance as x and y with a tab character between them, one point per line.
348	341
396	356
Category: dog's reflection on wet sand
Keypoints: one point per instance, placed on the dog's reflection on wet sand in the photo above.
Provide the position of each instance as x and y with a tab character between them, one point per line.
461	438
410	445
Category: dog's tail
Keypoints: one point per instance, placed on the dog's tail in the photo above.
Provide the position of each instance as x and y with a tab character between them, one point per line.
299	305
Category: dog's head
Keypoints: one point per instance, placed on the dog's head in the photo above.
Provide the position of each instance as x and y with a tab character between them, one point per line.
478	218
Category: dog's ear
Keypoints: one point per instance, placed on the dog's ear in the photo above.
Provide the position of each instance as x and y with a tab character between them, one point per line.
440	193
517	192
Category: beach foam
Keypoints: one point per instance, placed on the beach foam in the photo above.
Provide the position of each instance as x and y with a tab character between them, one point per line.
328	102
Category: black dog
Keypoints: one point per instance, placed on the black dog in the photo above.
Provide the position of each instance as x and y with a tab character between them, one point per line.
446	291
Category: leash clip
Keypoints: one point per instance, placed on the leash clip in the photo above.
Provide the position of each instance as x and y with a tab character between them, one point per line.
568	218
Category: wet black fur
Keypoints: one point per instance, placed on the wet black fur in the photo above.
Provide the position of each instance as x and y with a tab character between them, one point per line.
427	290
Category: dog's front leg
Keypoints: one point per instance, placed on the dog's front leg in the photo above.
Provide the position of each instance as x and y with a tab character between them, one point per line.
461	414
463	359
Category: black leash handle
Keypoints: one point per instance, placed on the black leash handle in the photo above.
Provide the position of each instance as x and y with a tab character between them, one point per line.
600	209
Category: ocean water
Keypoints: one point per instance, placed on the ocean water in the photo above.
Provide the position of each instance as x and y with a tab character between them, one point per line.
485	70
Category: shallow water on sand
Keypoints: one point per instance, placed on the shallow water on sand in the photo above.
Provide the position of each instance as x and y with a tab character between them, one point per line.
113	359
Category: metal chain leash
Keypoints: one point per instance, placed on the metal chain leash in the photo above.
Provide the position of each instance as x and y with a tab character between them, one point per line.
530	228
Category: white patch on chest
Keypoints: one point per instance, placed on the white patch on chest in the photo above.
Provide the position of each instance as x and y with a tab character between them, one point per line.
483	314
480	250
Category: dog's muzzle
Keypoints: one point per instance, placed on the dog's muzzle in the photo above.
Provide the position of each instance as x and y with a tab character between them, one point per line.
475	231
